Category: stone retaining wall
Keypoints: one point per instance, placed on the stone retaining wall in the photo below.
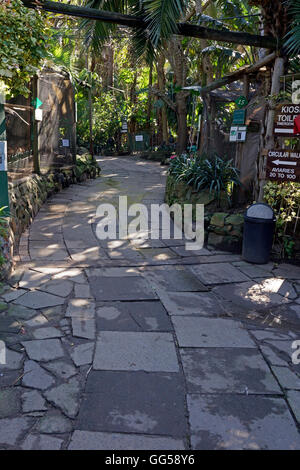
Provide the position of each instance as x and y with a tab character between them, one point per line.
223	227
26	198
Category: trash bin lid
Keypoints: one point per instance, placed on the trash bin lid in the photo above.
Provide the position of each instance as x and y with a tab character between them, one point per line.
260	211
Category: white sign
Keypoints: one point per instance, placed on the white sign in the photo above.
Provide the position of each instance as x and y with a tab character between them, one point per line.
3	155
296	92
238	134
38	114
233	134
241	134
139	138
66	143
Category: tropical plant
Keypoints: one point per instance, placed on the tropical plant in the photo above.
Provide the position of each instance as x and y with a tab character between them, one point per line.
285	201
216	174
23	39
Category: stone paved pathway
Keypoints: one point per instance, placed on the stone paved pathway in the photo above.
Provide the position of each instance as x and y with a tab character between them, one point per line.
143	345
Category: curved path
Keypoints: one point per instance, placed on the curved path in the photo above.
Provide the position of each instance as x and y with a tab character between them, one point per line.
141	344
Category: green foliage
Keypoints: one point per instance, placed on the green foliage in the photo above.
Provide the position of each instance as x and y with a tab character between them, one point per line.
285	201
162	17
23	36
201	173
292	43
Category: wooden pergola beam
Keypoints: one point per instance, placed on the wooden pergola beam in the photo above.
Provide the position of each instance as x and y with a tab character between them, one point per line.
233	77
184	29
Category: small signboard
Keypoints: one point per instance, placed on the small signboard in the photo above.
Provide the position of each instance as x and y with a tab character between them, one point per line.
3	155
65	143
37	103
233	134
139	138
296	92
284	119
283	165
239	117
124	127
238	134
38	114
241	101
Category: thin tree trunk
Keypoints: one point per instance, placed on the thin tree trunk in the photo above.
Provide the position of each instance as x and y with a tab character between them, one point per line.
269	136
149	103
181	111
162	87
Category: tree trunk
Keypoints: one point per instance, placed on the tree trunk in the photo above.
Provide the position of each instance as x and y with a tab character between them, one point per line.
269	136
149	103
161	79
181	112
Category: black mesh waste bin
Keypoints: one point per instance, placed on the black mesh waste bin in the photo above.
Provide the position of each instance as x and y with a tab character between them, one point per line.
259	228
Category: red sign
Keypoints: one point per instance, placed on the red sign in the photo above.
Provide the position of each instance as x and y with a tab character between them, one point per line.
283	165
284	119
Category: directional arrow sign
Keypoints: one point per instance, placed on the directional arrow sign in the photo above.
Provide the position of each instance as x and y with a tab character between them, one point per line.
280	162
37	103
283	165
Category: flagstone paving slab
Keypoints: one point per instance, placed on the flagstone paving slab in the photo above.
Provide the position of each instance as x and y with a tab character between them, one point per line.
133	316
241	422
47	332
174	278
59	287
133	402
191	303
135	351
43	350
60	369
286	378
196	332
83	354
272	356
13	360
11	430
87	440
33	279
41	442
80	307
229	370
54	424
36	377
250	295
293	398
9	402
37	300
220	273
65	397
287	271
37	321
83	327
121	288
13	294
33	401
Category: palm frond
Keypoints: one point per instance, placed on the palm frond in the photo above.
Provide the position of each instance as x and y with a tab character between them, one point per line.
292	43
162	17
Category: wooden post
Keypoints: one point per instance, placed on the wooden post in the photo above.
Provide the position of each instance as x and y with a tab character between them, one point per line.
35	128
269	136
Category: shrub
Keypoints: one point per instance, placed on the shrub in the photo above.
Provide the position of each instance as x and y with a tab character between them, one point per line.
285	201
201	173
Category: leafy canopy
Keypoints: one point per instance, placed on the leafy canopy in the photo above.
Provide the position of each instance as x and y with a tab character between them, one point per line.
23	37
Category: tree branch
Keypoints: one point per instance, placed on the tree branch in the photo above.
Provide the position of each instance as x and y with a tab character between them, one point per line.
163	96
